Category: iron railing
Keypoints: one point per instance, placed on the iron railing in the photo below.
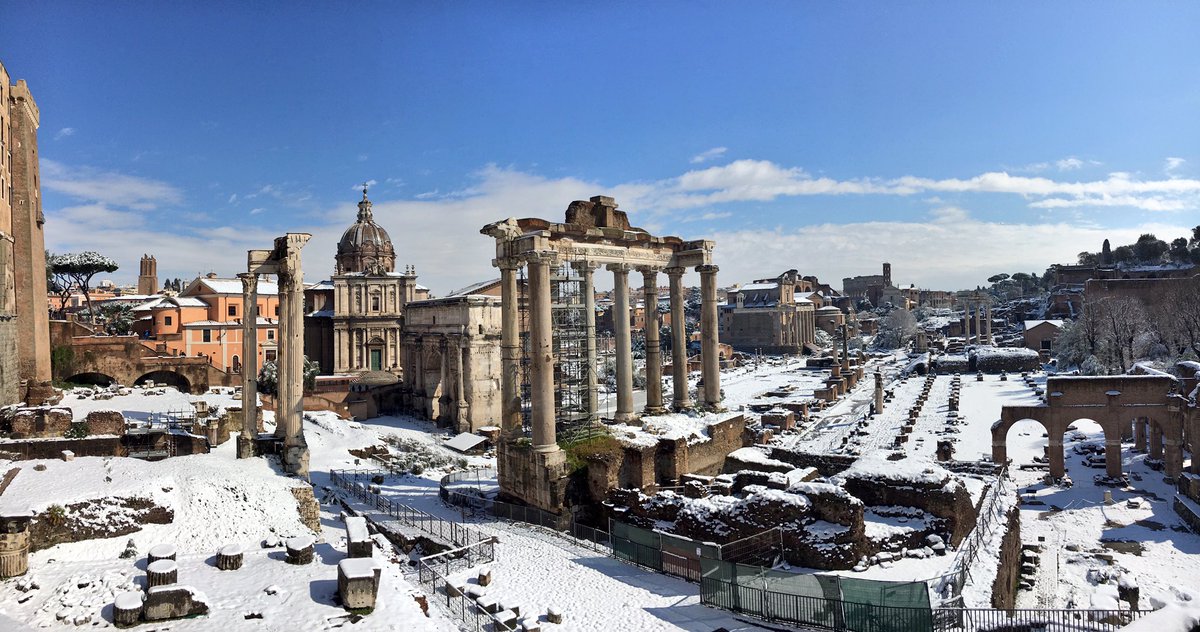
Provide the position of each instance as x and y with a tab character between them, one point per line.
456	533
432	573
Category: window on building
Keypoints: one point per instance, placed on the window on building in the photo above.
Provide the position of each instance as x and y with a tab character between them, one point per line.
270	334
166	321
374	303
206	335
269	354
276	311
237	364
1046	345
233	310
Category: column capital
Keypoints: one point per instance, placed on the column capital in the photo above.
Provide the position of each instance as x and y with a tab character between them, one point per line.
649	272
675	271
536	257
506	263
249	281
619	267
707	269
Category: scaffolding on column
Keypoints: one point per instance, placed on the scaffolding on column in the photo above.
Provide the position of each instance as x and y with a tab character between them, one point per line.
523	387
569	343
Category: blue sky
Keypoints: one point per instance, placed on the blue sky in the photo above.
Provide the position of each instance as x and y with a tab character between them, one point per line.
956	140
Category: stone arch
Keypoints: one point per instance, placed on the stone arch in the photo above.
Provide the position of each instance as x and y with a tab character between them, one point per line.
170	378
1054	450
92	378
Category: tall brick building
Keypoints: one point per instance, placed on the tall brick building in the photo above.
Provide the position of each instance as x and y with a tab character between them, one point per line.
24	316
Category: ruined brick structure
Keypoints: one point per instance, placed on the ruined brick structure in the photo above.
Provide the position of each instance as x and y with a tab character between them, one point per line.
24	314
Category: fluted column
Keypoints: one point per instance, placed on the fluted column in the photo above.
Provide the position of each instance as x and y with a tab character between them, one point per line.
586	270
624	343
710	359
541	370
978	324
679	358
654	400
245	446
510	348
291	295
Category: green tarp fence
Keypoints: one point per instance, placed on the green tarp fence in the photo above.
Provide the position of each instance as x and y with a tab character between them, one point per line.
828	601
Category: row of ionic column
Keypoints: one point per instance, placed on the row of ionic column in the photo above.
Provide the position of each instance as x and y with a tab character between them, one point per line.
541	367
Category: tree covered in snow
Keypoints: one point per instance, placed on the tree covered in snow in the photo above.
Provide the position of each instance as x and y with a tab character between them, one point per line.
896	329
57	282
1176	318
118	319
80	269
268	377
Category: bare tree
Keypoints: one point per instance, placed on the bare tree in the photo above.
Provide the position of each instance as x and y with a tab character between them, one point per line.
1120	321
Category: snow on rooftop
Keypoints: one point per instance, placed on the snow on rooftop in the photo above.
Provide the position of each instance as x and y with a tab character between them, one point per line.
234	286
1030	324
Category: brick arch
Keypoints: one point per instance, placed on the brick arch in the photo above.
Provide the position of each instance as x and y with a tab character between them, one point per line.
1009	418
92	378
170	378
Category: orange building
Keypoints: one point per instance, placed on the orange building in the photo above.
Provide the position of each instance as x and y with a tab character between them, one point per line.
206	320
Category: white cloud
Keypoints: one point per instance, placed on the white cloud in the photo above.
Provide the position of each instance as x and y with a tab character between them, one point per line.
1172	163
108	187
1069	164
709	154
438	232
359	186
64	132
947	255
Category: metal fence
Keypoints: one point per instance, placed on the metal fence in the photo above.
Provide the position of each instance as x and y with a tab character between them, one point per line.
991	517
433	572
989	620
813	611
356	483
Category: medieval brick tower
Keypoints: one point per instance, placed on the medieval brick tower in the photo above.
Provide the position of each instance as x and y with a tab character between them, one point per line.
148	276
24	309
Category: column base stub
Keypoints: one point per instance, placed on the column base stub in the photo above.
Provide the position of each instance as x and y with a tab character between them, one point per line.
535	478
657	410
629	419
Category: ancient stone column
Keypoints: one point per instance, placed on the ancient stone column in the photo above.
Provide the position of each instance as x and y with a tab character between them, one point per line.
978	324
624	344
418	379
541	370
1112	455
510	348
283	357
966	323
679	358
1173	459
710	358
1054	452
291	339
878	392
245	440
462	408
654	400
1139	434
587	269
1156	441
845	347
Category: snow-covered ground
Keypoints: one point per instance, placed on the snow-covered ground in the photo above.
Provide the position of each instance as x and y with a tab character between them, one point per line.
217	500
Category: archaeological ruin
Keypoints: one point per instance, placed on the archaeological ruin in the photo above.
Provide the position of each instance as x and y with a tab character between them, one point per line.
533	468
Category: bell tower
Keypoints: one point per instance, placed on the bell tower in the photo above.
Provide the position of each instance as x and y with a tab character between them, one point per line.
148	276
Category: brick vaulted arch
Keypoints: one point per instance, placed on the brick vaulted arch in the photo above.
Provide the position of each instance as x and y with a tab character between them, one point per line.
1112	401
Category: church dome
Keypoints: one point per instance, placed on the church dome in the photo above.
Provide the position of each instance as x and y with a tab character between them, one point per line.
365	246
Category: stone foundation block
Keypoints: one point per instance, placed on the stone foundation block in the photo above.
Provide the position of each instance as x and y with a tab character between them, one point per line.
358	582
173	602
